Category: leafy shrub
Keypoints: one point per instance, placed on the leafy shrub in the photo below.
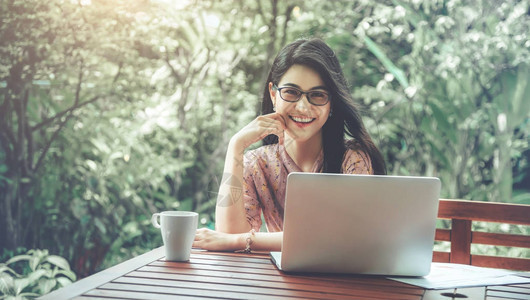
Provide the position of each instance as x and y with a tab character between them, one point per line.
33	274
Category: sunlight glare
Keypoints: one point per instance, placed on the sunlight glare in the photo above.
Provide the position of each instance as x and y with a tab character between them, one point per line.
296	12
177	4
212	21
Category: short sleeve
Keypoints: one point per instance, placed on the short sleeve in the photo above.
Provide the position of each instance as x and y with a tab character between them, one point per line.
250	197
356	162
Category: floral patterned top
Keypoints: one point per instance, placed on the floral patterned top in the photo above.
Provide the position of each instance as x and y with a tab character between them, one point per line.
265	179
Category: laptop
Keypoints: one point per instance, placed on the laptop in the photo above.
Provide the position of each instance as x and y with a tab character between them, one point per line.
358	224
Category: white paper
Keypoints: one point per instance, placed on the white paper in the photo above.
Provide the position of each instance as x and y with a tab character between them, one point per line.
447	275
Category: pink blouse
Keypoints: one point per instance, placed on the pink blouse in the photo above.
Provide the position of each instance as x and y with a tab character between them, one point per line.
265	179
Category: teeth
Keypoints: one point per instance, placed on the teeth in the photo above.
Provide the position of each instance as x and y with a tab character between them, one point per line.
302	120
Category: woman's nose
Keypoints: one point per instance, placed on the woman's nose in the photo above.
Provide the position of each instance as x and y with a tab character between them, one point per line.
303	104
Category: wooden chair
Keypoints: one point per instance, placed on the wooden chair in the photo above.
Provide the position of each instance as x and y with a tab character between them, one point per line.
462	213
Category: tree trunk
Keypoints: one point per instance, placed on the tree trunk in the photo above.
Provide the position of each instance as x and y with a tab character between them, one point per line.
10	228
503	177
14	126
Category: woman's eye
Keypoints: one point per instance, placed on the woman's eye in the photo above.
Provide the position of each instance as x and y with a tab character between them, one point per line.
319	95
291	92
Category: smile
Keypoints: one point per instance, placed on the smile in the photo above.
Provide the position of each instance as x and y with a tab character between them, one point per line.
304	120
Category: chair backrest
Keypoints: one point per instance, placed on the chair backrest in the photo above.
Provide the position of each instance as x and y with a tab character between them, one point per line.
462	213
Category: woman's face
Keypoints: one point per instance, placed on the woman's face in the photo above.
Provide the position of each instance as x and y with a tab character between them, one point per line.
303	120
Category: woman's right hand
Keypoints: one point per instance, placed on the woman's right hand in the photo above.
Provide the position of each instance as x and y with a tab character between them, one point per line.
230	214
259	128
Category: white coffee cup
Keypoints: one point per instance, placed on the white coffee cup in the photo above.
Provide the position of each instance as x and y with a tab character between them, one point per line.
178	232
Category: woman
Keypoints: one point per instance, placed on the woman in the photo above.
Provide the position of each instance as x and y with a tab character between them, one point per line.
307	110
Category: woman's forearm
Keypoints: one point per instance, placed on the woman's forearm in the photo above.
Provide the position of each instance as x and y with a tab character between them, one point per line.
230	216
267	241
219	241
261	241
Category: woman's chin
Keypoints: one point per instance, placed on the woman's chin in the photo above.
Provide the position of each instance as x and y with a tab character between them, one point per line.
299	136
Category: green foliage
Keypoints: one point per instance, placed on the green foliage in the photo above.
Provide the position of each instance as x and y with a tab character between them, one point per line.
461	107
128	124
129	105
33	274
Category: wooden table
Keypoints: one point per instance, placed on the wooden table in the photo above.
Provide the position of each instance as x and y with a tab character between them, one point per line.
249	276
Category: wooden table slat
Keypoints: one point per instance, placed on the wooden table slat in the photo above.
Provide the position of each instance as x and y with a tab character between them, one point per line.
249	276
265	275
100	293
225	286
239	268
250	265
202	291
279	278
338	289
242	292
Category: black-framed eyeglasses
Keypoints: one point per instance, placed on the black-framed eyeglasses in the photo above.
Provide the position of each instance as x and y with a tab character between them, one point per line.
292	94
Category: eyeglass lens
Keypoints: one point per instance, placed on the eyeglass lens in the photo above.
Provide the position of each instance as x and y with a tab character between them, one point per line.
293	95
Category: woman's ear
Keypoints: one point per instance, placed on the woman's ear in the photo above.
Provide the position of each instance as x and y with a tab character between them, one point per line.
272	94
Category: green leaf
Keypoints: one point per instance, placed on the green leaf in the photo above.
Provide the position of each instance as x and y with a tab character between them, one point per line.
34	277
19	258
29	295
523	198
25	180
58	261
444	127
34	262
387	63
70	274
6	284
63	281
5	269
20	284
7	180
91	164
439	154
99	225
101	146
46	285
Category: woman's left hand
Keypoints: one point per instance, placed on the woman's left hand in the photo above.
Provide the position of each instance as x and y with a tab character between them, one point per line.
218	241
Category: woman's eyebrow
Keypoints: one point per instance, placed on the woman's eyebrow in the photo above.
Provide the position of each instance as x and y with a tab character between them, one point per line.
319	87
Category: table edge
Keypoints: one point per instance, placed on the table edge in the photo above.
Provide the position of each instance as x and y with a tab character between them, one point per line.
88	283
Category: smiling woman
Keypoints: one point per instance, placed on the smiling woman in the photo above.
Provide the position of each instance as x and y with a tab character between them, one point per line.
304	115
306	112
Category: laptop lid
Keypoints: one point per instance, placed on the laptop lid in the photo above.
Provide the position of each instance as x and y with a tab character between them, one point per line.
363	224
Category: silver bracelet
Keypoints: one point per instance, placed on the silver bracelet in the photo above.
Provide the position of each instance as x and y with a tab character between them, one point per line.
249	240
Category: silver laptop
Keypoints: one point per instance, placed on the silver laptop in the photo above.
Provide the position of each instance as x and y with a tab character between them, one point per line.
359	224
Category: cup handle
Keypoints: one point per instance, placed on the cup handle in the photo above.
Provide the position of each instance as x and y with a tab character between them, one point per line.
154	220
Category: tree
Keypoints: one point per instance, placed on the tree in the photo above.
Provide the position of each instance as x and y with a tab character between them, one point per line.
104	122
56	65
30	45
454	74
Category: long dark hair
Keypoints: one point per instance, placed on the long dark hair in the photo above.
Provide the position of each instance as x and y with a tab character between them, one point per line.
345	119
